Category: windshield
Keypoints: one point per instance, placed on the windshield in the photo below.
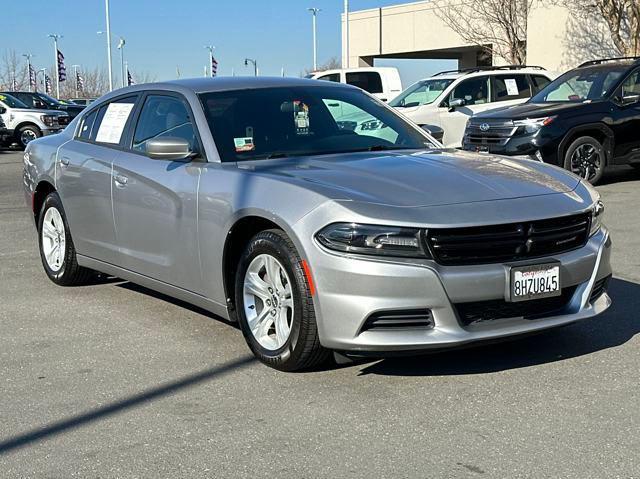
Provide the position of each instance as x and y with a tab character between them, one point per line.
12	102
422	93
268	123
50	101
582	85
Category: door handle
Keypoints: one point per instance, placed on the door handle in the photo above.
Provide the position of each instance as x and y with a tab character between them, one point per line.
120	180
64	161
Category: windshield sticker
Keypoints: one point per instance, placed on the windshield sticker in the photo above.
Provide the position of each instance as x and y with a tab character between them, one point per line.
512	87
113	123
244	144
301	117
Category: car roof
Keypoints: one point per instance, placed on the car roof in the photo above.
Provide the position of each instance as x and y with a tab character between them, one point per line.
484	72
207	85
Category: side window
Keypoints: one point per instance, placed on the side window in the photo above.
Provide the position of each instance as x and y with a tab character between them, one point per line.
368	81
111	120
474	91
334	77
538	82
164	117
26	99
87	124
631	86
510	87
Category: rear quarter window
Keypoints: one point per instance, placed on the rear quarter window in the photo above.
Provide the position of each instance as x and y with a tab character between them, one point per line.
368	81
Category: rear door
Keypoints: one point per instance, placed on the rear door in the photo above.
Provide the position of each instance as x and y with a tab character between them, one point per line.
155	201
84	181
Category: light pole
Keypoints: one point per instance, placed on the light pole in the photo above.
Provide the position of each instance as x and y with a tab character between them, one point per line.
121	43
75	78
29	56
346	35
254	63
108	20
314	14
57	65
210	49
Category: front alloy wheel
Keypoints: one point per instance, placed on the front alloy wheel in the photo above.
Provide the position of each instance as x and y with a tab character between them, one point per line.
585	157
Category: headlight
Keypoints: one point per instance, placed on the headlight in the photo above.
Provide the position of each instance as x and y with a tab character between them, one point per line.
48	120
597	214
373	240
532	125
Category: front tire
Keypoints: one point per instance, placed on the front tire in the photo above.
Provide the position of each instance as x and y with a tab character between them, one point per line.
586	158
27	134
274	304
57	251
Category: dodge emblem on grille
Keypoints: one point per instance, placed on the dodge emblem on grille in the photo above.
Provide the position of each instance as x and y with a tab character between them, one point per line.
485	127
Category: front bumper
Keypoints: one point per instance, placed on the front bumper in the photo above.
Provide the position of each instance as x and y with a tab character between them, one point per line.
351	288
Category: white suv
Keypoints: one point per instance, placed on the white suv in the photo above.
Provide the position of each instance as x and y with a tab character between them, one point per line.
448	99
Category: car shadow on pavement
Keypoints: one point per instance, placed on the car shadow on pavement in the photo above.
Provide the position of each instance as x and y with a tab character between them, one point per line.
8	444
616	326
620	174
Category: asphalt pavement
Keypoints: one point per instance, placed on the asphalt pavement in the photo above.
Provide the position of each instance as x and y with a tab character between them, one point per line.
114	381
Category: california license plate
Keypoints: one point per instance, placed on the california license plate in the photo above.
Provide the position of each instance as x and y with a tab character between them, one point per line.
535	281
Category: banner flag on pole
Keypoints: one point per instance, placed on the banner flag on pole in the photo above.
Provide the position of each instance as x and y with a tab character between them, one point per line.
130	78
79	81
32	77
214	66
62	71
47	84
14	84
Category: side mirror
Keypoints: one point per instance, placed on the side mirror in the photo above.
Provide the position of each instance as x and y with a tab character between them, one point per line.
435	131
3	110
167	148
456	103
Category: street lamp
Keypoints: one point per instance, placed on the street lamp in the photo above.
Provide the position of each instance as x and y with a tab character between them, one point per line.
210	49
345	63
55	56
314	14
29	56
121	43
254	63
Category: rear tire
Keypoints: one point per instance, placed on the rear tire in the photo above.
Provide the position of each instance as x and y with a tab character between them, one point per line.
285	292
586	158
57	251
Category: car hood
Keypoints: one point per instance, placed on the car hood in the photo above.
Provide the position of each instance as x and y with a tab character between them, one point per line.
419	178
38	111
535	110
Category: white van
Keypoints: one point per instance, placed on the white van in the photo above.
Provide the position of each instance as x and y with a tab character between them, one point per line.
448	99
382	82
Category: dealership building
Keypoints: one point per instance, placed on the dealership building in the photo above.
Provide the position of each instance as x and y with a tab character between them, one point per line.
556	38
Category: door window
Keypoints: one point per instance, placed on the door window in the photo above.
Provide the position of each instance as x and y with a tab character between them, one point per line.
334	77
631	86
111	121
510	87
474	91
538	82
164	117
368	81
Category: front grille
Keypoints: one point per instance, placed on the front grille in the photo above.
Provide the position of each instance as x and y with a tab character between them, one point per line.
63	120
489	133
508	242
399	319
599	288
481	311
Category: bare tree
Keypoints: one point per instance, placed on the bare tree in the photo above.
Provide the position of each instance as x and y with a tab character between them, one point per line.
12	67
499	27
622	18
331	64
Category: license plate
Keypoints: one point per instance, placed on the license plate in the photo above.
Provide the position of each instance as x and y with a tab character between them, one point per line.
534	281
482	149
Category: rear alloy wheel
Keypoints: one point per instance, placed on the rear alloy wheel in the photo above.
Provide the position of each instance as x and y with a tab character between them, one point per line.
274	305
56	246
27	134
586	158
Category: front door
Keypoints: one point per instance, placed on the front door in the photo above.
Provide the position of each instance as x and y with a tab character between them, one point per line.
626	126
155	201
475	95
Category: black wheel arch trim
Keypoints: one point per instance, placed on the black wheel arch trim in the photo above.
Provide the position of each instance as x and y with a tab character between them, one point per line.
571	135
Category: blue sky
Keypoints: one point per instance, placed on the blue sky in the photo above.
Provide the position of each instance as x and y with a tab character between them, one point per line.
162	35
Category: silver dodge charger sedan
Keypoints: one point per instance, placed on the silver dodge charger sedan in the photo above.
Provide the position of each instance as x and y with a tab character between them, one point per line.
316	217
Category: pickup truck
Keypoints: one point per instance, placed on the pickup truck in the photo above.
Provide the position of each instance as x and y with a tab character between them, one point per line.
42	101
25	124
